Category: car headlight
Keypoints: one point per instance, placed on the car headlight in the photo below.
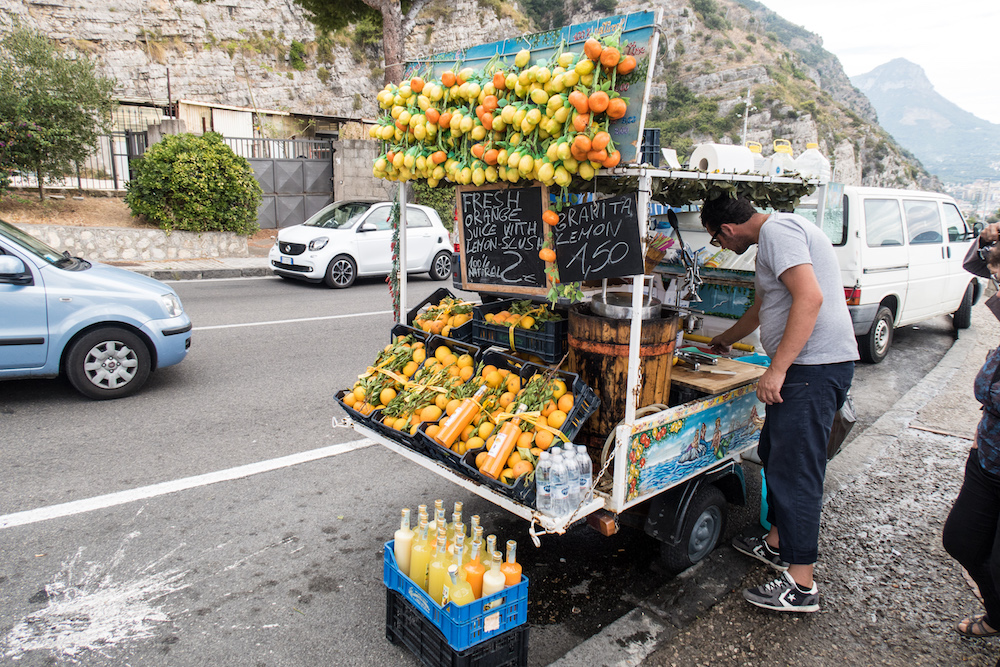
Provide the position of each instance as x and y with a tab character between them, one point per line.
318	244
172	304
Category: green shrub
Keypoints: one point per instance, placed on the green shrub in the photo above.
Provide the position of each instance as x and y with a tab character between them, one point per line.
296	56
441	199
195	184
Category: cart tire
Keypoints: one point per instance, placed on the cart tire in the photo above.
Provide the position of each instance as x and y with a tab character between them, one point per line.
704	524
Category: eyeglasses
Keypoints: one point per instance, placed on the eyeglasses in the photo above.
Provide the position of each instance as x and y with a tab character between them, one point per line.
715	239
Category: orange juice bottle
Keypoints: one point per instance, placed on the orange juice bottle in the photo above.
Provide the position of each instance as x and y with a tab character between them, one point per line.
462	417
474	570
511	569
503	445
420	557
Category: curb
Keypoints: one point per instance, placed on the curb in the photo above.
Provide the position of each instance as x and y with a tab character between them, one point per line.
204	274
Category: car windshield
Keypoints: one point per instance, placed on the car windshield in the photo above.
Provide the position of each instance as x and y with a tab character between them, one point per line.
34	246
341	215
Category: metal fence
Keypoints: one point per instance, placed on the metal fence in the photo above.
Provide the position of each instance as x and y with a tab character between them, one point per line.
281	149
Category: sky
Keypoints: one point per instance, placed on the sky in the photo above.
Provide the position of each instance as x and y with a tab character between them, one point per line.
955	42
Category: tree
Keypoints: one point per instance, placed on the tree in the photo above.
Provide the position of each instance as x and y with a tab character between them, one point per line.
196	184
54	105
396	25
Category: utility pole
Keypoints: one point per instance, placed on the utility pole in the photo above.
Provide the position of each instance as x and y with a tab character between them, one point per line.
746	117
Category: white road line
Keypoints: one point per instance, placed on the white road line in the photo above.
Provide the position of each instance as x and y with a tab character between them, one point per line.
298	319
163	488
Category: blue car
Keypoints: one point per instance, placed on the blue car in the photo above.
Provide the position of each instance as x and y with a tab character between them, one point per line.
106	329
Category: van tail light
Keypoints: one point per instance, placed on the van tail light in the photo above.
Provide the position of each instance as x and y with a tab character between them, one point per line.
853	295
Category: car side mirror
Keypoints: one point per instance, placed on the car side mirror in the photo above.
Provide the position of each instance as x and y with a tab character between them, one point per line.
978	226
367	227
14	272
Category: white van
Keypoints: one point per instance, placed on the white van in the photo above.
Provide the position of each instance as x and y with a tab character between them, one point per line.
900	254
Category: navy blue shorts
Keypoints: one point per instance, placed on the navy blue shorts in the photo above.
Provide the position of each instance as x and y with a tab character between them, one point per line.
793	450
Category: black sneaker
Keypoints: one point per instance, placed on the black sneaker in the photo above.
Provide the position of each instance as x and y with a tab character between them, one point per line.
757	547
783	595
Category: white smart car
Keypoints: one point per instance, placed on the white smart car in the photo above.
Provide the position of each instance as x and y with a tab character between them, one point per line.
353	238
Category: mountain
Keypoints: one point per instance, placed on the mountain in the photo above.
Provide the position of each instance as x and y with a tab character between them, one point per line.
951	142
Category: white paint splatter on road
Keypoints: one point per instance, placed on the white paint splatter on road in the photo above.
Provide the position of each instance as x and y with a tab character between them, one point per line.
92	607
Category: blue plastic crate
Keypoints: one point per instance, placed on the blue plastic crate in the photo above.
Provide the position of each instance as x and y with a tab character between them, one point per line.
462	625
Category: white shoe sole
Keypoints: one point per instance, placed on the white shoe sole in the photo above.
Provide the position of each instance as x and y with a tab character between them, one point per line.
809	608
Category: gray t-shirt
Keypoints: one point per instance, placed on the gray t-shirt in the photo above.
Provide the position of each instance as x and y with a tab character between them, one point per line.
787	240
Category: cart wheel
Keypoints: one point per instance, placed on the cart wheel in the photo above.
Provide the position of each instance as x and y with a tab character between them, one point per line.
703	524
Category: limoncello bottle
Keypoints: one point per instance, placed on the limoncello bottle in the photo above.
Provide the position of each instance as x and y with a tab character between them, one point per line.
456	517
403	542
474	570
511	568
438	513
459	591
420	557
437	570
494	579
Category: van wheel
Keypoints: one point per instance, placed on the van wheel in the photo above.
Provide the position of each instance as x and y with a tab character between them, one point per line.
703	525
963	316
874	345
108	363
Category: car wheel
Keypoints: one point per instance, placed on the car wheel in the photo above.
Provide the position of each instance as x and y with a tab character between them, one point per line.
108	363
441	268
874	345
703	525
341	272
963	316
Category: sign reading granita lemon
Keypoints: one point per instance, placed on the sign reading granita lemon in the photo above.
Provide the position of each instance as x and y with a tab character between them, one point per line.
550	107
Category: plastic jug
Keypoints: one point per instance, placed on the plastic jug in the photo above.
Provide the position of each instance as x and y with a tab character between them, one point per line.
813	164
781	161
758	157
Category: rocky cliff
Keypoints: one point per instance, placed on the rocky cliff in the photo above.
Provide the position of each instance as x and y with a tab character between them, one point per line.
265	53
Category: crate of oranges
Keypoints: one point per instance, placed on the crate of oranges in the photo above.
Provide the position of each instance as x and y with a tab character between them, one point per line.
446	374
444	314
521	326
382	380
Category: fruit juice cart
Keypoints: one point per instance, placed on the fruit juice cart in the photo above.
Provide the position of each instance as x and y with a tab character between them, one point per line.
674	463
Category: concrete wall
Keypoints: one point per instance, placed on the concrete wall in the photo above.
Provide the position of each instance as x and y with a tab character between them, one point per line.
352	171
104	244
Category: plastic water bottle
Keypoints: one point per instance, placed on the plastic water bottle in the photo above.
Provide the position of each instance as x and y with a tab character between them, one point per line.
543	484
586	473
559	477
813	164
572	479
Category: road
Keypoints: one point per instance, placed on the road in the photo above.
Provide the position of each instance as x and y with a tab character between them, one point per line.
219	517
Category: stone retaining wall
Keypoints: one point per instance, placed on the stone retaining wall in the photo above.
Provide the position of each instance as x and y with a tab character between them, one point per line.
104	244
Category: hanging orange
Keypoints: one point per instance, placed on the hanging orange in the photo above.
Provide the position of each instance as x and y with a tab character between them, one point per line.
547	254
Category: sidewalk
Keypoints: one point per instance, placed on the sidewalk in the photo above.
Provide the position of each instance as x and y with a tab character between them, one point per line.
194	269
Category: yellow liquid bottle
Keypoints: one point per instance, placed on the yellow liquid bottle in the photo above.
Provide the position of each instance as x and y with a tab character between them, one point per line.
420	557
403	542
511	568
474	570
437	570
422	515
459	591
438	512
494	580
456	518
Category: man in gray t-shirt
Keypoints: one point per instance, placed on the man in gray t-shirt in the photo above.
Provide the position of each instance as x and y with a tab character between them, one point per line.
806	330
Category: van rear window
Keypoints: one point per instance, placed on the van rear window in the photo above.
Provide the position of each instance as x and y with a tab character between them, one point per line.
883	223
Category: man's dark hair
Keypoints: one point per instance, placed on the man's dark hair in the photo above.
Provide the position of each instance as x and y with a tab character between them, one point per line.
725	210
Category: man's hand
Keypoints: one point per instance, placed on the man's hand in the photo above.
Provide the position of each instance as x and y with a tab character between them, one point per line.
719	346
989	235
769	386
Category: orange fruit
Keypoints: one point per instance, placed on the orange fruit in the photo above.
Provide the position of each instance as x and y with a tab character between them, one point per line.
430	413
488	368
543	439
513	459
350	399
410	368
460	448
419	356
475	443
557	418
565	403
465	359
507	476
513	384
466	373
453	405
441	400
449	359
493	380
547	254
549	408
442	353
536	451
359	393
468	431
521	468
432	430
485	429
387	395
389	421
558	388
481	458
526	439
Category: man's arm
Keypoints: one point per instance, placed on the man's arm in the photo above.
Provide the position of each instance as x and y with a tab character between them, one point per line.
743	327
807	298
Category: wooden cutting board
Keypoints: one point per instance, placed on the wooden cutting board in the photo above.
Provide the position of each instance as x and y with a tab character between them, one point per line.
710	383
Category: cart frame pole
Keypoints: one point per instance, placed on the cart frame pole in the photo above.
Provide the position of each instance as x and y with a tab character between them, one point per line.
402	254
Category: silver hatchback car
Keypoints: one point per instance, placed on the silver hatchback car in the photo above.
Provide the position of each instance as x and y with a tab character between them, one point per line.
353	238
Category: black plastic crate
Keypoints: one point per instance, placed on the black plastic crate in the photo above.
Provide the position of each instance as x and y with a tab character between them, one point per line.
522	490
462	333
351	412
438	452
650	147
403	330
548	343
406	626
585	399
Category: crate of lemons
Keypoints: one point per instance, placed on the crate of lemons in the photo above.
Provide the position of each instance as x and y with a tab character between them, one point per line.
548	401
448	314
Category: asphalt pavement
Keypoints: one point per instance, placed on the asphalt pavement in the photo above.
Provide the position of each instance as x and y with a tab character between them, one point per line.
890	593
